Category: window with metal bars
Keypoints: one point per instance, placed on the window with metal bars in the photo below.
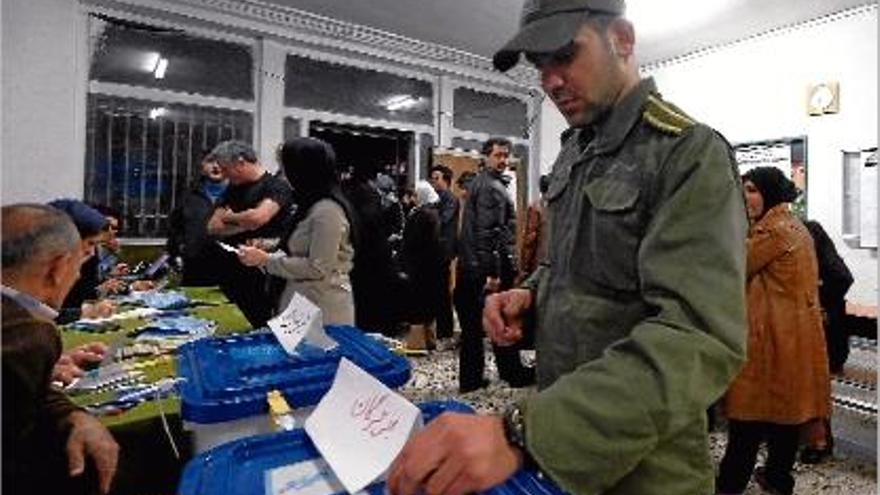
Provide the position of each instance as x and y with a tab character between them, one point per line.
141	156
160	99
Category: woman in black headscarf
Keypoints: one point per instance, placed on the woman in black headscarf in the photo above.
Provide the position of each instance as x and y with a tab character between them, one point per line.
318	253
784	383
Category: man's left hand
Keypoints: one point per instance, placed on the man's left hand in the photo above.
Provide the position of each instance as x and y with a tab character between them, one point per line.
89	437
455	454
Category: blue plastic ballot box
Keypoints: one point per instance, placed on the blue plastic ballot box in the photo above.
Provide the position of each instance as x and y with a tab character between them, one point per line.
225	380
240	467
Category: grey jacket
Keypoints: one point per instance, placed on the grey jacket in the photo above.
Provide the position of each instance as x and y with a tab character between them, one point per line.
319	263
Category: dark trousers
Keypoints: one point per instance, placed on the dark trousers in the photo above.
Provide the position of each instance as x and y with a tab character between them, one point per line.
469	300
246	287
444	308
743	440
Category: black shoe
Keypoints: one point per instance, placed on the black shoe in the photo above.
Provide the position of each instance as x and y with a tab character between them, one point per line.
761	480
470	387
815	456
523	378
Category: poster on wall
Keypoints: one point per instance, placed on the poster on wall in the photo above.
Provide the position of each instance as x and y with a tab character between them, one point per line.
868	199
787	154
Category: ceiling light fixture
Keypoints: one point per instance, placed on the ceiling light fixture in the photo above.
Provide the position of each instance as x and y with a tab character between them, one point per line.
400	102
157	112
161	67
652	18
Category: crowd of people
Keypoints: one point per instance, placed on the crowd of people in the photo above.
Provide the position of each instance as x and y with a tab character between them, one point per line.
652	281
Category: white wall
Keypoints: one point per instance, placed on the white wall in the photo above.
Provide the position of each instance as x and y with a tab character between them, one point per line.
42	138
552	125
756	90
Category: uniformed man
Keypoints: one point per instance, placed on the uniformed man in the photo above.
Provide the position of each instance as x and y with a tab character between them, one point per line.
640	308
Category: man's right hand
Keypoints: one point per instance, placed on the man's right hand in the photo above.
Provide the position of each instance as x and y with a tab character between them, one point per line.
89	437
503	315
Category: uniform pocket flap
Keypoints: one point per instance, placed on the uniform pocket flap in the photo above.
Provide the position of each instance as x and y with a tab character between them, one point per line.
608	194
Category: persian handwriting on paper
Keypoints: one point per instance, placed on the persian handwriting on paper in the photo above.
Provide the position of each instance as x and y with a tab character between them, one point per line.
367	412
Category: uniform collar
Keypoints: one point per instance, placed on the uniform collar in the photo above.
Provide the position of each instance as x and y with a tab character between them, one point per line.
34	306
613	129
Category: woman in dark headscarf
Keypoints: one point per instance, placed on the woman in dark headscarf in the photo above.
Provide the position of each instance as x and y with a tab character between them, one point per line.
785	381
319	251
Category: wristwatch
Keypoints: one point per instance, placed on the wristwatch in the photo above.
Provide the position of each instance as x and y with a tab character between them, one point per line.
514	422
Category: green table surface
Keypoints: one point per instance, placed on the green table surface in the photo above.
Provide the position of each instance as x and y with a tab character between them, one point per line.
148	464
214	307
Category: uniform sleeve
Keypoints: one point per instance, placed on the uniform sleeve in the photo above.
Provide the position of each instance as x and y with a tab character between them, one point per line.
595	424
328	225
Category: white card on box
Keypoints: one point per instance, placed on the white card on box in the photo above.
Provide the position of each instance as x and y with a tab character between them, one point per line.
296	322
360	426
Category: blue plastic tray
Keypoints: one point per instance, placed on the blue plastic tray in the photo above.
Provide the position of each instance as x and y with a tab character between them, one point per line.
239	467
227	378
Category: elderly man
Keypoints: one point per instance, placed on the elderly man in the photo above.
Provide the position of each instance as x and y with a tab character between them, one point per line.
46	438
640	307
255	206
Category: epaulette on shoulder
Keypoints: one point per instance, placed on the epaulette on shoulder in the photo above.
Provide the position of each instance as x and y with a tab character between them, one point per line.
665	117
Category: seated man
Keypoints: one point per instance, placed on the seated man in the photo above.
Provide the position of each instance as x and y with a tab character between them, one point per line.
91	225
46	438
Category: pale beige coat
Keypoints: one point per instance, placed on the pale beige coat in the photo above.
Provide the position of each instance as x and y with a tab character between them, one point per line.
319	263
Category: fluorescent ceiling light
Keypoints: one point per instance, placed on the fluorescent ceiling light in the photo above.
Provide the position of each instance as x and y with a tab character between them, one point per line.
150	61
157	112
400	102
161	67
651	17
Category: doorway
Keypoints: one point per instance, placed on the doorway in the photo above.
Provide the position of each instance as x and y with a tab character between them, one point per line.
388	151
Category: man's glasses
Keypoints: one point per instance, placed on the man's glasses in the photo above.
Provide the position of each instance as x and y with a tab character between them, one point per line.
562	56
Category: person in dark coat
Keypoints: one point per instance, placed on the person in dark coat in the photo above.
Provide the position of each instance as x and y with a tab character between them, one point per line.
448	208
188	238
422	261
835	280
372	278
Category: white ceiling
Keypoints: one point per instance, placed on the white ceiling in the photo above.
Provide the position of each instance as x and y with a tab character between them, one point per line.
482	26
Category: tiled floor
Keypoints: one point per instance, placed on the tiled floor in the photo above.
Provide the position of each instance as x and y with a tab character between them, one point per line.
435	378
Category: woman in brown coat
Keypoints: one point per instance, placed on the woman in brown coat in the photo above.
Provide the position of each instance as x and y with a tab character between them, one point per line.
785	381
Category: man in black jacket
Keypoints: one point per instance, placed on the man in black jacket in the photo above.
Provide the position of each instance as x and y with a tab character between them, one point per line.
441	180
188	237
485	266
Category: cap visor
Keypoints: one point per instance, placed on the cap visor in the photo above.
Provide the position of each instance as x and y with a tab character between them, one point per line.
544	35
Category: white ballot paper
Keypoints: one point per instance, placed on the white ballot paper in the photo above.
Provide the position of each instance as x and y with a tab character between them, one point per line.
227	247
311	477
300	320
360	426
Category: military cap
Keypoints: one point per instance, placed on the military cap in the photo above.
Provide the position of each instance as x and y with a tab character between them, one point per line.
548	25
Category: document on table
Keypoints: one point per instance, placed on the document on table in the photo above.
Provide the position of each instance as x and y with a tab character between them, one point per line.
300	320
360	426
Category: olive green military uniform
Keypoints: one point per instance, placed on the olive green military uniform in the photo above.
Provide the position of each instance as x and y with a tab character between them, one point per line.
641	318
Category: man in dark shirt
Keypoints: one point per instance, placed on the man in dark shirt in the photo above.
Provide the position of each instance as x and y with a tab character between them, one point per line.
255	206
46	438
441	180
